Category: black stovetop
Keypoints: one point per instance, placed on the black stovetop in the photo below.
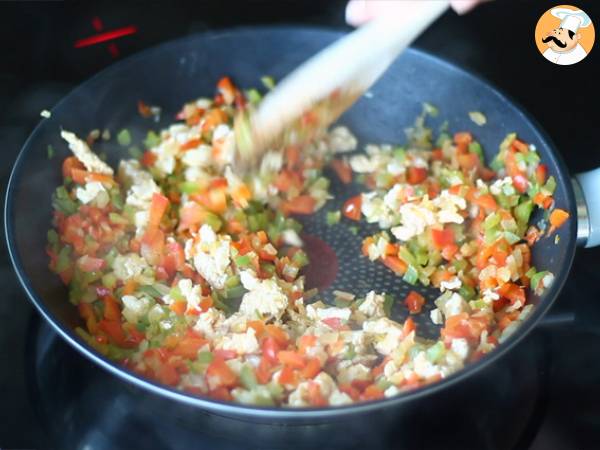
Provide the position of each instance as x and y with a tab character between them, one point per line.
44	405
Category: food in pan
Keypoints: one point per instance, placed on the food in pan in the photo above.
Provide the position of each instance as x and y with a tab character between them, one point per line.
192	275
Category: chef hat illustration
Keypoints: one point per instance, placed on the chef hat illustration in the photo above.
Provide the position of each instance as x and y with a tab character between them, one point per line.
570	19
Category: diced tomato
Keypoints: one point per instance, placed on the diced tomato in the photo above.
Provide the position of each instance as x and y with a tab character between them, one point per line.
442	238
312	368
188	347
468	161
512	292
520	182
394	263
416	175
114	331
437	154
302	204
541	173
158	208
292	156
221	393
350	390
291	358
90	264
167	374
512	168
334	323
225	354
520	146
288	376
263	371
270	349
449	251
352	208
315	398
111	308
486	174
288	179
149	158
343	170
218	374
306	341
414	302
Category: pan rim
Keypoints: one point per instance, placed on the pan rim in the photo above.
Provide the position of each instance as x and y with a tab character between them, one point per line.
281	413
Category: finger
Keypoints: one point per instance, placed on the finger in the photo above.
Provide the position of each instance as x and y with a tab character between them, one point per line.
463	6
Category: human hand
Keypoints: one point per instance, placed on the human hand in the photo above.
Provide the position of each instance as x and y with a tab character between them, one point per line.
359	12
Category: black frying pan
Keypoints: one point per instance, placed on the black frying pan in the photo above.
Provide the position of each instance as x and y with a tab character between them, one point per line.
178	71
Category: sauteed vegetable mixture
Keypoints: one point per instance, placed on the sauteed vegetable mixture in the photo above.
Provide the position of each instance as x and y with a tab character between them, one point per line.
192	275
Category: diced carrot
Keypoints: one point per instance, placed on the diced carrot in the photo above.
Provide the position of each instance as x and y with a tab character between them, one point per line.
487	202
227	89
372	392
468	161
558	217
394	263
280	336
520	146
188	347
258	326
130	287
408	327
149	158
70	163
79	175
178	307
463	137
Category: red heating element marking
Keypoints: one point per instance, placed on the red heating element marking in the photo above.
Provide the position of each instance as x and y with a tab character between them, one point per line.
106	36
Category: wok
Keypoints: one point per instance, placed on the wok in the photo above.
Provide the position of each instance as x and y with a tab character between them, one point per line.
175	72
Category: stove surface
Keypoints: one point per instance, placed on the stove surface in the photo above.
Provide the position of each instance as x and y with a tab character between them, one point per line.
47	404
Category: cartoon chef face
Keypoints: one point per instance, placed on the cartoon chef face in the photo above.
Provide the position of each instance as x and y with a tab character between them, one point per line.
561	40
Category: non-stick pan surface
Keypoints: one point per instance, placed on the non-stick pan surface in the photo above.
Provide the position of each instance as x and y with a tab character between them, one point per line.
175	72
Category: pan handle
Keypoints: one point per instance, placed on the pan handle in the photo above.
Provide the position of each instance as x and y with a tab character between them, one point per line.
587	197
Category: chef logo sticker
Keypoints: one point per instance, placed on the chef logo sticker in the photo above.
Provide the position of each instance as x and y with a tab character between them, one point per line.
564	35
